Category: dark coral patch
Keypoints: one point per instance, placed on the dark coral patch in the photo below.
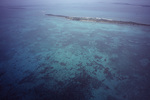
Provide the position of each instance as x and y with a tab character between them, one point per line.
41	65
54	61
28	79
99	67
86	80
63	64
48	57
47	78
108	73
121	78
79	64
97	84
73	89
98	57
46	69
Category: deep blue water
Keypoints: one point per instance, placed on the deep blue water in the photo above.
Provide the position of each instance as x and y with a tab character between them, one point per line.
52	58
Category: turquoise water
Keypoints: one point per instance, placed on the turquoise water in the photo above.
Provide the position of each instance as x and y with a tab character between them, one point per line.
50	58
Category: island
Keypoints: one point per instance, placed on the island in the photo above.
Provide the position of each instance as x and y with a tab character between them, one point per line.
96	19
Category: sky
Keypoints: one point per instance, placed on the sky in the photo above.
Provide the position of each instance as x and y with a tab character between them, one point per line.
46	2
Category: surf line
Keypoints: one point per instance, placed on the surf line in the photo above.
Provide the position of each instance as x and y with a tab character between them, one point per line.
92	19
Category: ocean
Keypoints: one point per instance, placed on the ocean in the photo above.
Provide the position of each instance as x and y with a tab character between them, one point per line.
53	58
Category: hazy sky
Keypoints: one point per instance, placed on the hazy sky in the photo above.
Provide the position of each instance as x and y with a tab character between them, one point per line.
37	2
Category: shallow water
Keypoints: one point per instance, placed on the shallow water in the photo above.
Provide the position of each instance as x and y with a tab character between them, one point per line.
50	58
